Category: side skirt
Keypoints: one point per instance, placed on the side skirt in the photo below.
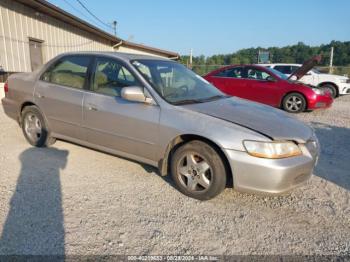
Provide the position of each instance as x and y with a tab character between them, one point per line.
106	150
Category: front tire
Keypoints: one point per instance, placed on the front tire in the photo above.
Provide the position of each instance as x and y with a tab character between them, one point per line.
332	89
198	170
35	128
294	103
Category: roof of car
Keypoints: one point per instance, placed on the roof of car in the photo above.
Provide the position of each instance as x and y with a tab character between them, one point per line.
233	66
238	65
280	64
120	55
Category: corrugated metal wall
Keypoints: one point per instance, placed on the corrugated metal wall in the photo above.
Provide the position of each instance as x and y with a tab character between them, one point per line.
18	23
135	51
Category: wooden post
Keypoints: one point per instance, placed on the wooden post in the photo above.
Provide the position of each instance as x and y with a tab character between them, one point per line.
191	59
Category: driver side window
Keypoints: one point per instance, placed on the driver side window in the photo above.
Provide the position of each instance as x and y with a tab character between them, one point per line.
256	74
110	77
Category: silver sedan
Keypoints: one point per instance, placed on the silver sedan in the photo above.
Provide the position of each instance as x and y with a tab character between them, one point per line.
158	112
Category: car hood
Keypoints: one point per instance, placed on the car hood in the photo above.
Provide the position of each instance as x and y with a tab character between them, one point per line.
271	122
306	67
331	76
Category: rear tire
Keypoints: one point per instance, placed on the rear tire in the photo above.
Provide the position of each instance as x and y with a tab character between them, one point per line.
35	128
294	103
198	170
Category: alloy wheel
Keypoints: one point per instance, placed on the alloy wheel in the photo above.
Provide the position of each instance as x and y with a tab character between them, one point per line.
33	127
294	103
194	172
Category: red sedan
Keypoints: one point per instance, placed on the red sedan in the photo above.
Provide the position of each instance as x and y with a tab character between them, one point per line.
268	86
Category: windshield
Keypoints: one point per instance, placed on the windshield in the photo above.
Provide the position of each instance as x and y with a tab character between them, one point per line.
278	73
175	83
314	70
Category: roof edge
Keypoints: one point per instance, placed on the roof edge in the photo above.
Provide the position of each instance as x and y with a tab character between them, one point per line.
156	50
48	8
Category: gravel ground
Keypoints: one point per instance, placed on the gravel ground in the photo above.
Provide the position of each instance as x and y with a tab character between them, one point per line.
73	200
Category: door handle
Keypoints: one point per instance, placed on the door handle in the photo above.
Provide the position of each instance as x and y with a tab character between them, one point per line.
92	108
40	95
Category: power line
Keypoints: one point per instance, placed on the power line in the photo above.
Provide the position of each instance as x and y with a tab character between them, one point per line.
77	10
98	19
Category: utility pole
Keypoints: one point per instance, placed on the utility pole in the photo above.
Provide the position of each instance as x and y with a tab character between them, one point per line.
191	55
114	25
331	61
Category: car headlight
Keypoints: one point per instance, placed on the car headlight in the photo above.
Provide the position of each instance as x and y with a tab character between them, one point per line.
272	150
318	91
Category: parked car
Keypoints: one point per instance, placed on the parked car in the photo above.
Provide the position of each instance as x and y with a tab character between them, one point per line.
338	85
158	112
269	86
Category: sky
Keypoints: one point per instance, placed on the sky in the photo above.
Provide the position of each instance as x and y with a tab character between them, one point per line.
219	27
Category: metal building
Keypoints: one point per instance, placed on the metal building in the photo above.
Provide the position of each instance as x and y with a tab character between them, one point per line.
34	31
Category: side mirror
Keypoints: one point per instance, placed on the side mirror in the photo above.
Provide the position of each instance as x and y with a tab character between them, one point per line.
294	78
135	94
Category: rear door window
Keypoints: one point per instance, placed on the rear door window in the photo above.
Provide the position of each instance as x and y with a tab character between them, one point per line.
69	71
284	69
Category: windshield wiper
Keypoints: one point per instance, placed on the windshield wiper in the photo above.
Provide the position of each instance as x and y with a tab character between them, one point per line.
212	98
187	101
197	101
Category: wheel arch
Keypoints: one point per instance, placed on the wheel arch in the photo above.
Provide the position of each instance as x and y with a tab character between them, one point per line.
294	91
30	103
24	105
332	84
164	164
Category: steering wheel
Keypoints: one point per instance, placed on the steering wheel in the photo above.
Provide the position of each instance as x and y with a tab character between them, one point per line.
179	91
106	84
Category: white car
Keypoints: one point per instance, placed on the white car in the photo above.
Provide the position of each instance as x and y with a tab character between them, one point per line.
338	85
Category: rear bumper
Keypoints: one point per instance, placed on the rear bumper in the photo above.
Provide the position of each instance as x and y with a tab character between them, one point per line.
259	175
10	108
320	101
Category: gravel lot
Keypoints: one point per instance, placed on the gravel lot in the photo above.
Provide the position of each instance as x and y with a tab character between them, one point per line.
73	200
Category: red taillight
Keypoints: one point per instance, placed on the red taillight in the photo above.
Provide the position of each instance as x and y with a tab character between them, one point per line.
6	87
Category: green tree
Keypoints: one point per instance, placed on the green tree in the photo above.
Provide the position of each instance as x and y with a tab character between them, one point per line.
289	54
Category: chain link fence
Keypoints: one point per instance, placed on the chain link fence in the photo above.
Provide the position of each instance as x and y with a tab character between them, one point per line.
336	70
